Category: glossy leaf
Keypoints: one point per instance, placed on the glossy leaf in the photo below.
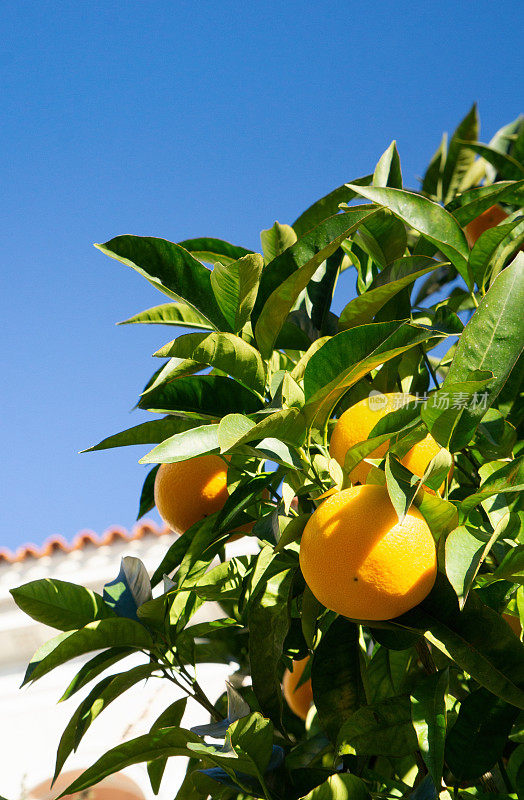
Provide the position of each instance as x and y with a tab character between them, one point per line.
235	288
178	314
427	217
459	159
114	632
269	620
60	604
288	275
92	669
130	589
335	676
509	479
386	285
155	430
182	446
339	787
507	166
169	268
485	249
428	711
208	395
327	206
147	495
171	717
223	351
476	201
380	729
478	737
276	239
388	171
212	250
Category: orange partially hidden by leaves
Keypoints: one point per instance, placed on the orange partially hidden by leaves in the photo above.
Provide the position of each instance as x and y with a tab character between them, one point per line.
358	421
188	491
359	561
514	624
299	700
488	219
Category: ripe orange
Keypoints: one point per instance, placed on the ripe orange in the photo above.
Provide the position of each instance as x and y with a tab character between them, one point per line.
514	623
355	425
488	219
188	491
299	700
360	562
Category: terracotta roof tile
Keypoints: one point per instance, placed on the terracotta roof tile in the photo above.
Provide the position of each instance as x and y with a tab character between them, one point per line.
56	544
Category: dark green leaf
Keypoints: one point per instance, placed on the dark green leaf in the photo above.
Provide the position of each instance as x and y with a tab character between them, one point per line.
287	275
171	269
212	250
459	159
478	737
380	729
269	620
476	201
209	395
428	710
60	604
115	632
92	668
335	676
171	717
507	167
388	171
147	495
485	249
509	478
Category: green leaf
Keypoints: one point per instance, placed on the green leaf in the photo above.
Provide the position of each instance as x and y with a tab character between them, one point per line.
182	446
432	181
335	676
207	395
223	351
509	478
327	206
159	744
147	495
60	604
269	619
276	239
287	275
380	729
444	410
212	250
339	787
428	711
440	514
92	669
387	284
459	158
146	433
114	632
235	288
476	638
476	201
171	717
225	581
179	314
401	484
388	171
97	700
478	738
431	220
289	425
169	268
507	166
348	356
492	340
485	250
252	737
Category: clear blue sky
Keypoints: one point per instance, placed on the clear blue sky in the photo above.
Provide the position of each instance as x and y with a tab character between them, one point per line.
182	119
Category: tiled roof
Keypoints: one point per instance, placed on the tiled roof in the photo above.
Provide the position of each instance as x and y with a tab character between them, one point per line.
56	544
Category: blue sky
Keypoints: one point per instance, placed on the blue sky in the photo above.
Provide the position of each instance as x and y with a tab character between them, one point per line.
182	119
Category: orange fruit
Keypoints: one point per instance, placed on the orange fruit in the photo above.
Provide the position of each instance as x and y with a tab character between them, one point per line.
299	700
514	624
359	561
357	422
188	491
488	219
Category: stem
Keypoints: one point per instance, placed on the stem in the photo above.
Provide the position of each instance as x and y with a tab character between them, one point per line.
475	302
424	654
430	369
505	777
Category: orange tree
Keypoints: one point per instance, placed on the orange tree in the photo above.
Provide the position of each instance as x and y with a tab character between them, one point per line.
423	703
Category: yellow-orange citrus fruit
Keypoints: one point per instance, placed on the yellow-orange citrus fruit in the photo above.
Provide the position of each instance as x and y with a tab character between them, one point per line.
188	491
299	700
359	561
488	219
355	425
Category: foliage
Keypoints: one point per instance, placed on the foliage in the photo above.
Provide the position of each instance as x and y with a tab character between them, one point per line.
431	701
